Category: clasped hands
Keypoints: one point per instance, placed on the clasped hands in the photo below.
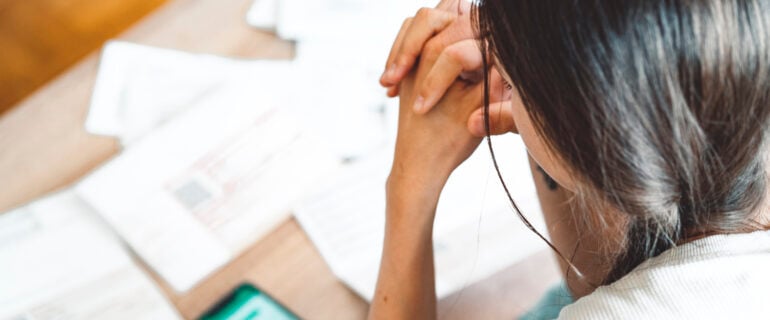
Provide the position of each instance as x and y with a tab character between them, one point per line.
435	68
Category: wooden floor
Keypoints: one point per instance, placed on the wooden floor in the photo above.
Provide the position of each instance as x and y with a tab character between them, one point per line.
41	38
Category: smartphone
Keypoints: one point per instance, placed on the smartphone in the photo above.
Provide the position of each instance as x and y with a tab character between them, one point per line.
247	302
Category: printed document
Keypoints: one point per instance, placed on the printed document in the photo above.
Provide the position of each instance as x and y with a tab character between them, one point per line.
59	261
476	232
197	191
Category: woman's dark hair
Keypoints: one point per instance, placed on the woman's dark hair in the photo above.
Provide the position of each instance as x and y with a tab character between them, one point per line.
658	107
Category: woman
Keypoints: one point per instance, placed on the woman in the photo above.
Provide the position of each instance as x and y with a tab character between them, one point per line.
651	116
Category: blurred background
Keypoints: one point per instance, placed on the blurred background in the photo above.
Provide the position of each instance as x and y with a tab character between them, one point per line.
42	38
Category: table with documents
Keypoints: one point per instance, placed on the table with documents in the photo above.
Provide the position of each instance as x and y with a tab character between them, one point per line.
76	144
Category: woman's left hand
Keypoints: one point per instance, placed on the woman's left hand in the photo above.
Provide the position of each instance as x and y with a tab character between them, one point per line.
429	146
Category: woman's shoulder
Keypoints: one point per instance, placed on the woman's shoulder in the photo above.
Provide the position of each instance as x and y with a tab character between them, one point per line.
721	276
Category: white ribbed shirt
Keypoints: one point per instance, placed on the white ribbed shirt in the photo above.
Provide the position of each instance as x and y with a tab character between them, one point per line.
717	277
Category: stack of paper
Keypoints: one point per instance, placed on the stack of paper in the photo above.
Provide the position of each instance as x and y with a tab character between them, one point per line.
58	262
198	190
341	50
140	87
476	232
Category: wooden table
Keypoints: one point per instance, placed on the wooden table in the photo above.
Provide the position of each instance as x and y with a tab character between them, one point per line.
44	147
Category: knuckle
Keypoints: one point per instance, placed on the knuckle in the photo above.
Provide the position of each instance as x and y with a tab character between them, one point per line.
423	13
454	54
466	54
405	58
442	18
464	50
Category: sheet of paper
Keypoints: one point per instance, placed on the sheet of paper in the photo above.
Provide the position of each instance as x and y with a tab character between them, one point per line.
201	188
139	87
355	20
477	233
341	48
58	261
339	97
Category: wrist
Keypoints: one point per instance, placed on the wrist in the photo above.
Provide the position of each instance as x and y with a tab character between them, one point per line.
416	190
411	200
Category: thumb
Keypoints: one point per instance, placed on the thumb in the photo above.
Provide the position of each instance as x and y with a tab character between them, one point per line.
500	120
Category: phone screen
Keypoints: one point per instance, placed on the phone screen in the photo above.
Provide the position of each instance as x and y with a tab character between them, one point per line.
248	302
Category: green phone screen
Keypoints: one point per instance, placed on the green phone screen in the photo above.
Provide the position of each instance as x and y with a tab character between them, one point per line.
248	303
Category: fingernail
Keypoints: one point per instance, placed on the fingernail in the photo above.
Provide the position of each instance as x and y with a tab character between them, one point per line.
389	73
419	104
384	75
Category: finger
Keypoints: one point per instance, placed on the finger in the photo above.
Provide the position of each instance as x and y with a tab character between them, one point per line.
424	26
392	91
395	49
458	6
447	5
500	120
461	100
456	59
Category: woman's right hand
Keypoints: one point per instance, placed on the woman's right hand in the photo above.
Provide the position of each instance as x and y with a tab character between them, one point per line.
430	30
444	38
